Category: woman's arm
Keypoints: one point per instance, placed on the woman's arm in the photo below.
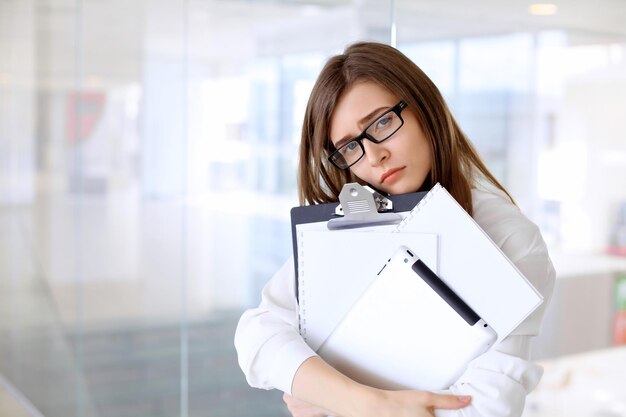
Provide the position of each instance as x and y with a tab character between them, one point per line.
497	381
318	383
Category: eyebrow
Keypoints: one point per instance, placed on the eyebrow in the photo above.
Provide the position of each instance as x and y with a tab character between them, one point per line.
362	121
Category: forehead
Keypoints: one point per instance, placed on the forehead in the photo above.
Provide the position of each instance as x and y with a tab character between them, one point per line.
356	102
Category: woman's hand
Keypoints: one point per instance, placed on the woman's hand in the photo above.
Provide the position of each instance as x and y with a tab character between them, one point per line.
411	403
299	408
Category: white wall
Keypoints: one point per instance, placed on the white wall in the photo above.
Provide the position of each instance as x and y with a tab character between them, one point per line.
17	102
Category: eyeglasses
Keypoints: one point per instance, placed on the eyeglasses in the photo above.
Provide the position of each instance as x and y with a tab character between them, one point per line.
378	131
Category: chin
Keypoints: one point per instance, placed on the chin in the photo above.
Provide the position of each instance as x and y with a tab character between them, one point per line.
401	189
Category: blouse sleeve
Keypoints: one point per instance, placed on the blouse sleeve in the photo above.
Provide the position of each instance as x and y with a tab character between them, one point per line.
269	346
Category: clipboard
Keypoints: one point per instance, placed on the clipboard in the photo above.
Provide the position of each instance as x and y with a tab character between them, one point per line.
402	203
339	234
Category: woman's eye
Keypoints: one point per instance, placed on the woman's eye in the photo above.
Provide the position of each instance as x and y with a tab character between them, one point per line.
384	121
351	147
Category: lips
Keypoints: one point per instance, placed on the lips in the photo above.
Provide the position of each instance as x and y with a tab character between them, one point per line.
387	175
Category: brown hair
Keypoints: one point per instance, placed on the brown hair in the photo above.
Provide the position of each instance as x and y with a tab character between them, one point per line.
455	162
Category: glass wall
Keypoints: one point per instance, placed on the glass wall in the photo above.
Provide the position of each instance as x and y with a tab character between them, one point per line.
148	155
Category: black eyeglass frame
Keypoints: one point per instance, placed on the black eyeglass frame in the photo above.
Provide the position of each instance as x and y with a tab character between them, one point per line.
336	155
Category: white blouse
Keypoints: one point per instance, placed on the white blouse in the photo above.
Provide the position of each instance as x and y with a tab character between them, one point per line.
270	348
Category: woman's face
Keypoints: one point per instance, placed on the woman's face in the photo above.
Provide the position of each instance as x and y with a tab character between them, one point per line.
398	165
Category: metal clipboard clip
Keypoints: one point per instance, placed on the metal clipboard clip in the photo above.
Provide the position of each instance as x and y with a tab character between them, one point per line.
362	206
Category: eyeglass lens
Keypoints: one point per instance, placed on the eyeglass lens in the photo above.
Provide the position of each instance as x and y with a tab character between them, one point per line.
380	130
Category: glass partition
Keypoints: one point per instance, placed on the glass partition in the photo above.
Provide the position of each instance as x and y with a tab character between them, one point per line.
148	168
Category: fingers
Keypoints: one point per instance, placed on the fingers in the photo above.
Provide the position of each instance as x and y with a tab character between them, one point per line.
446	402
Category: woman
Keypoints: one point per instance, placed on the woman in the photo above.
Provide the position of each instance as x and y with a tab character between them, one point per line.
376	118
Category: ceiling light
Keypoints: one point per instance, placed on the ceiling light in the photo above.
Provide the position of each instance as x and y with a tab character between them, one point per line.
543	9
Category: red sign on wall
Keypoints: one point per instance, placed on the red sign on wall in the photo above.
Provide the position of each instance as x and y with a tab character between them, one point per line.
83	112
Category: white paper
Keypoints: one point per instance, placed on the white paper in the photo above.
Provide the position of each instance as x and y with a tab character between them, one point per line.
336	267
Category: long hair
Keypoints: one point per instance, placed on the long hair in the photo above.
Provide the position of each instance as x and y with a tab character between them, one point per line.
455	162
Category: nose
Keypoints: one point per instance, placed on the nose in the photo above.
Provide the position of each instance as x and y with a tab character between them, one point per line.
375	153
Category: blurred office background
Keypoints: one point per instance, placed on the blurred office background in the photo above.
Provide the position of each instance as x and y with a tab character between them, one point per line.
148	164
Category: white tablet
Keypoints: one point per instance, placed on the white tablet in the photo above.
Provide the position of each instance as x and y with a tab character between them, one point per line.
408	330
